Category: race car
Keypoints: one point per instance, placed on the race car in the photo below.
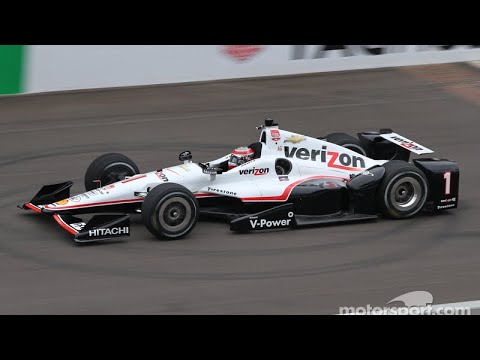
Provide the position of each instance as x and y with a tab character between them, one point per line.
288	181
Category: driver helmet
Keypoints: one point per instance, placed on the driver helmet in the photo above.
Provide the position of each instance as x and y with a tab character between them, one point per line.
239	156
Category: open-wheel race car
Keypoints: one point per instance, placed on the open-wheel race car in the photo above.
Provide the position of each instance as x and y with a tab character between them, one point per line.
290	180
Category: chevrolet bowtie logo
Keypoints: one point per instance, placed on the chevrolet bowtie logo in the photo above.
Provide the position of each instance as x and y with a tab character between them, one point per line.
294	139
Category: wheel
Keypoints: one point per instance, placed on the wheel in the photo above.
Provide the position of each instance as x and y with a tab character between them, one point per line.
109	168
346	141
170	211
403	190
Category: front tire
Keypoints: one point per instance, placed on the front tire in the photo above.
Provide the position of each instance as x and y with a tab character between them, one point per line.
170	211
403	191
109	168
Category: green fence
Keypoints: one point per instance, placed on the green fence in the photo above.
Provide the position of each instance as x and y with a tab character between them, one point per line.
11	68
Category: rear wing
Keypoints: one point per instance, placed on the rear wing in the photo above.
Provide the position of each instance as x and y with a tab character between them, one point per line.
406	143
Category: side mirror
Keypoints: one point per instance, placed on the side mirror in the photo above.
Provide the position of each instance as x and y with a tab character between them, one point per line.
185	156
213	172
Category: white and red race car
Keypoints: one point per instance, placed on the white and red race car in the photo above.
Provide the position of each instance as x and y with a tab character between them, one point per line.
293	180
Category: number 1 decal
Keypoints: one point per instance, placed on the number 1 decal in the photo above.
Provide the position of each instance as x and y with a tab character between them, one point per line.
448	177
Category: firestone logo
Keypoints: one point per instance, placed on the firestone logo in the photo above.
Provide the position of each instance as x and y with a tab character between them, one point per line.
242	52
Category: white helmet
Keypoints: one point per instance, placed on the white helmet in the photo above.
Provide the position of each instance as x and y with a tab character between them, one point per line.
239	156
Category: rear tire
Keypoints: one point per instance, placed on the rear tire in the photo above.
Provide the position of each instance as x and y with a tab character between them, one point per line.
109	168
403	191
170	211
347	141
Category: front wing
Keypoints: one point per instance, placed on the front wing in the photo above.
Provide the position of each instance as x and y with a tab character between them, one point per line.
98	228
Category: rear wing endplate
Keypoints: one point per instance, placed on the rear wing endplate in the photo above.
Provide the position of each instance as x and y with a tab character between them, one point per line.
405	143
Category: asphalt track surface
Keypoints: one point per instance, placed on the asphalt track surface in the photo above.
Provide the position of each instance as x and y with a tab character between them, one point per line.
53	137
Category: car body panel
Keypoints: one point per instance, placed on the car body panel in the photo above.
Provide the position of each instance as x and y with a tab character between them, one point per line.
315	185
256	180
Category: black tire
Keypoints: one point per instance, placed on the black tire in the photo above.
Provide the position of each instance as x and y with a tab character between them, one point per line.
403	190
170	211
109	168
346	141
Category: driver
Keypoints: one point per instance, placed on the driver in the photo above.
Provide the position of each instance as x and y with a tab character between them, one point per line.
239	156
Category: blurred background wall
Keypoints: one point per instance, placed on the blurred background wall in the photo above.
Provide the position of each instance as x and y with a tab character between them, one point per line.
40	68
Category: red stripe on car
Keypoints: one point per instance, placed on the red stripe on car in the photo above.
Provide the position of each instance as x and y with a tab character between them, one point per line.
206	195
173	172
33	207
133	179
93	204
63	224
288	190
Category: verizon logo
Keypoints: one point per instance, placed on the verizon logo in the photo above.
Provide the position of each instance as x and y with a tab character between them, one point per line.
255	171
333	159
406	144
